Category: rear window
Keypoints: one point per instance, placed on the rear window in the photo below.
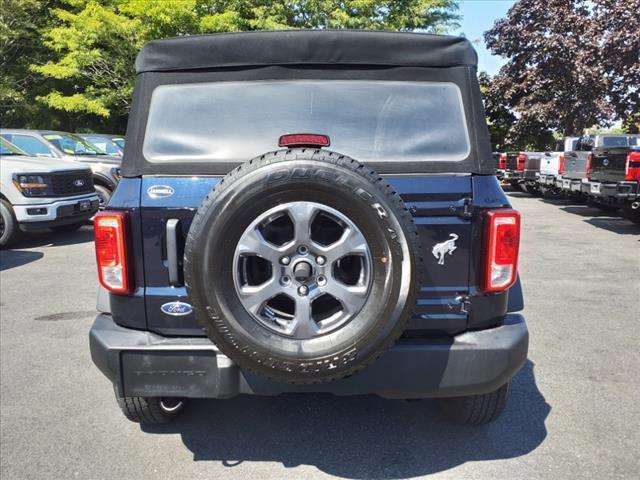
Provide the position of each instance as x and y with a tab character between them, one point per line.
368	120
619	141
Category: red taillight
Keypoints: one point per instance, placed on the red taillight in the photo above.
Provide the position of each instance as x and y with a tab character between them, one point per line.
632	169
502	241
589	159
561	165
304	140
520	161
111	251
503	161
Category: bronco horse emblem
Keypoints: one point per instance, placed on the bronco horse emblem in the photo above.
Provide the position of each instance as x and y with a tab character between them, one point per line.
441	249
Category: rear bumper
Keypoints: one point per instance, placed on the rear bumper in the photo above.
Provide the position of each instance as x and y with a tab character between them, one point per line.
573	185
547	180
619	190
512	175
142	363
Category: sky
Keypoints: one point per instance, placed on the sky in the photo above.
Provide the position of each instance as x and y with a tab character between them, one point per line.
477	17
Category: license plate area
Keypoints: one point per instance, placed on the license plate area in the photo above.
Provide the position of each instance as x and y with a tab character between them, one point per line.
170	373
82	206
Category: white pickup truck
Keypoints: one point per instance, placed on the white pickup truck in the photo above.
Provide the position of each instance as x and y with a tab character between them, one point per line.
552	166
39	193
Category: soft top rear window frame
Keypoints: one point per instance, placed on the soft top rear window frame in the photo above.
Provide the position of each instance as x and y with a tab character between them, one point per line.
479	160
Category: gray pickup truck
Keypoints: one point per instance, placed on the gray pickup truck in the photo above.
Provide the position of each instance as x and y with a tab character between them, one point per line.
577	165
531	172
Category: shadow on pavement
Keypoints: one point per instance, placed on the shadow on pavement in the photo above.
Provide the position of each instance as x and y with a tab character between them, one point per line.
517	194
357	437
612	221
615	224
17	258
55	239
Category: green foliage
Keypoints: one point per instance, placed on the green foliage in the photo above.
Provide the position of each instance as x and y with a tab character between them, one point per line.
78	55
20	23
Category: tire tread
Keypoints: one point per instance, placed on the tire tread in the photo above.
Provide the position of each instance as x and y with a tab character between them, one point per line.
476	409
144	410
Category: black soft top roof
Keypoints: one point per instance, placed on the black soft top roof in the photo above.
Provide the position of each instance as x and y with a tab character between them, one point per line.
305	47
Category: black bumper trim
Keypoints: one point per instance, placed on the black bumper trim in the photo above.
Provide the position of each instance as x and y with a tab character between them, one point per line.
142	363
619	190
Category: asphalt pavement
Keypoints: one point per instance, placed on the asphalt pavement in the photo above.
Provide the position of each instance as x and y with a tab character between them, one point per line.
574	410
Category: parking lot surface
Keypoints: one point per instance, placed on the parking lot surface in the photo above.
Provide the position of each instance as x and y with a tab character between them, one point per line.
573	412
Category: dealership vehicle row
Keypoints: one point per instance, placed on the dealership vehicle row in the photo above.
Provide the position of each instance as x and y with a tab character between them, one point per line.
601	169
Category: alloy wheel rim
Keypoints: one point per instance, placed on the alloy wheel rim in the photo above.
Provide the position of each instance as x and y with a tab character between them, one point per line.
302	269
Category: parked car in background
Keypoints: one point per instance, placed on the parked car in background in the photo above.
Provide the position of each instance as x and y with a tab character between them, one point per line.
111	144
39	193
514	169
500	160
614	173
552	166
531	172
573	180
67	146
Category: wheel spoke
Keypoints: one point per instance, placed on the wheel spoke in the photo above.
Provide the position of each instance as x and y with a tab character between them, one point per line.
303	325
252	242
352	242
254	297
302	214
352	297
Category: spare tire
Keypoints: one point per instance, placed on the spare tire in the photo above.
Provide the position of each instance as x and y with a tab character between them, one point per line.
302	265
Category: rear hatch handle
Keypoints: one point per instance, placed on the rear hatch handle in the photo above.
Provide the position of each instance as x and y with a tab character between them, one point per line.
172	251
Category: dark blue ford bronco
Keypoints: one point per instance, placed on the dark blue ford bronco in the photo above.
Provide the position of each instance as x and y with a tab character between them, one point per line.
308	211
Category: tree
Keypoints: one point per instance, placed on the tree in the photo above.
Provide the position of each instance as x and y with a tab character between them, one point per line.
20	24
617	24
94	43
571	64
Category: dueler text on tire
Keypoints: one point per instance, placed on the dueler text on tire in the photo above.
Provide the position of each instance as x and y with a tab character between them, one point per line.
302	265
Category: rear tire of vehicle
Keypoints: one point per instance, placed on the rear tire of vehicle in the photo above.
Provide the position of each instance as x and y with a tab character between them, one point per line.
517	186
632	214
10	232
535	191
576	197
328	180
72	227
550	193
150	410
476	409
104	195
605	208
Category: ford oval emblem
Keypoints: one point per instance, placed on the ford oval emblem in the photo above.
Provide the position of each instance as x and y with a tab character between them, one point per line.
605	162
160	191
78	182
176	309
